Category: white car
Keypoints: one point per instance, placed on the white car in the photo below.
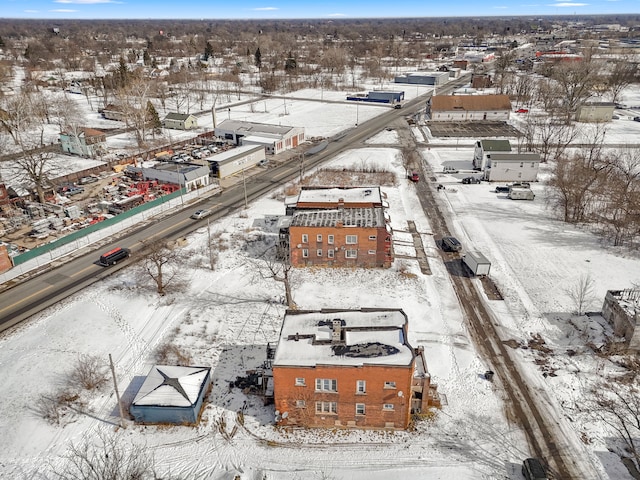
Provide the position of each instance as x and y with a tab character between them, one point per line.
198	214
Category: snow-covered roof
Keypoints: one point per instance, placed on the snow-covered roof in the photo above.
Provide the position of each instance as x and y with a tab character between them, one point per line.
348	195
234	153
349	337
172	386
253	127
349	217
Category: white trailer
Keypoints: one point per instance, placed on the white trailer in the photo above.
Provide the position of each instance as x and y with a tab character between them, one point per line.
477	263
521	193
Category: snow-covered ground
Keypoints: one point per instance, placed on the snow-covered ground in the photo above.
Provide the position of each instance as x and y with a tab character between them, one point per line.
224	318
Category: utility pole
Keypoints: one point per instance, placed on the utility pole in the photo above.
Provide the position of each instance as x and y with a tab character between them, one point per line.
244	185
115	386
209	244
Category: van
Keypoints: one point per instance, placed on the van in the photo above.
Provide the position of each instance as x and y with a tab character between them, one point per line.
113	256
450	170
532	469
451	244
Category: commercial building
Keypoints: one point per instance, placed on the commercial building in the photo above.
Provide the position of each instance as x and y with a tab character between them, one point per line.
349	368
464	108
274	138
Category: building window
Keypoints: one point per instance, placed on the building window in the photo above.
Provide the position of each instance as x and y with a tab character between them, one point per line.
386	406
372	237
352	239
300	382
319	252
302	404
389	384
351	253
330	253
326	407
330	239
326	385
305	238
372	252
361	386
319	238
305	253
359	408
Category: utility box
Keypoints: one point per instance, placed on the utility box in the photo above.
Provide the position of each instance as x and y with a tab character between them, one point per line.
477	263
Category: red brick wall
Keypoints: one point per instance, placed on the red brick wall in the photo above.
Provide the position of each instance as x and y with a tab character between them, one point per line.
364	245
286	393
5	261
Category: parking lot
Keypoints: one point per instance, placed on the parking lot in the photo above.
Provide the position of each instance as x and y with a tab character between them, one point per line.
472	129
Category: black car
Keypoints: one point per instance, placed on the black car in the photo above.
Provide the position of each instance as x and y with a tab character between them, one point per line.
502	189
470	180
451	244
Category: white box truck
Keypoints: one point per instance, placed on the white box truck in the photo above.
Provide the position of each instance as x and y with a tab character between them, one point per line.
477	263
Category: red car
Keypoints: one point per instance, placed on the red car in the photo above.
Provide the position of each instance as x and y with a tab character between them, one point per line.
414	177
522	110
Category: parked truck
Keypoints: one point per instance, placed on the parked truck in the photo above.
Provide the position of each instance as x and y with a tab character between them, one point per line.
477	263
520	193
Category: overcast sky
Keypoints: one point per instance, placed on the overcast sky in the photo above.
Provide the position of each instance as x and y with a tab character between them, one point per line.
268	9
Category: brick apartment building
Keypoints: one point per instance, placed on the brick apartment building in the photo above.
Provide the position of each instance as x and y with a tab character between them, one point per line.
349	368
337	227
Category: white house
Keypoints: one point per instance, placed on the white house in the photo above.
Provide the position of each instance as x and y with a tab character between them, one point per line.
464	108
180	121
485	147
512	167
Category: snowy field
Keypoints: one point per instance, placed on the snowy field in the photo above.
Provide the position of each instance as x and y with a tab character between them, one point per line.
224	318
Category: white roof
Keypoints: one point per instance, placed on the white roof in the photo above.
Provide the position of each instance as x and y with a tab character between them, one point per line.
368	337
350	195
173	386
234	152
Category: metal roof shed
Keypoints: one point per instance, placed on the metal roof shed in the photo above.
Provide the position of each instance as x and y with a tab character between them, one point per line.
171	394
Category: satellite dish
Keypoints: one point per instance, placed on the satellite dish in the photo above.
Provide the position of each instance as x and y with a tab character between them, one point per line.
400	393
285	415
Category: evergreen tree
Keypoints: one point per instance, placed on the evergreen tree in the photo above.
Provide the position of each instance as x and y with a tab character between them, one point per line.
208	52
123	72
146	58
1	42
153	117
258	58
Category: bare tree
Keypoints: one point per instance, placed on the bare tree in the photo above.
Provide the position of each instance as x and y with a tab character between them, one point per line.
618	406
34	165
109	458
280	271
581	293
162	263
576	82
90	372
623	74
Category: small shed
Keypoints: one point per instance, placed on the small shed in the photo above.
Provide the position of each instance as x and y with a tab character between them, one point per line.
236	160
595	112
180	121
171	394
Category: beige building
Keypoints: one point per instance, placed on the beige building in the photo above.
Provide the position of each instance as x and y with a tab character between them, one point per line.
465	108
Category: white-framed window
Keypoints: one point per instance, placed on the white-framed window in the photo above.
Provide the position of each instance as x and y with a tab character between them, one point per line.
361	386
319	238
330	239
372	237
305	253
300	382
387	406
305	238
330	253
389	384
319	252
326	385
326	407
301	404
352	239
359	408
372	252
351	253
